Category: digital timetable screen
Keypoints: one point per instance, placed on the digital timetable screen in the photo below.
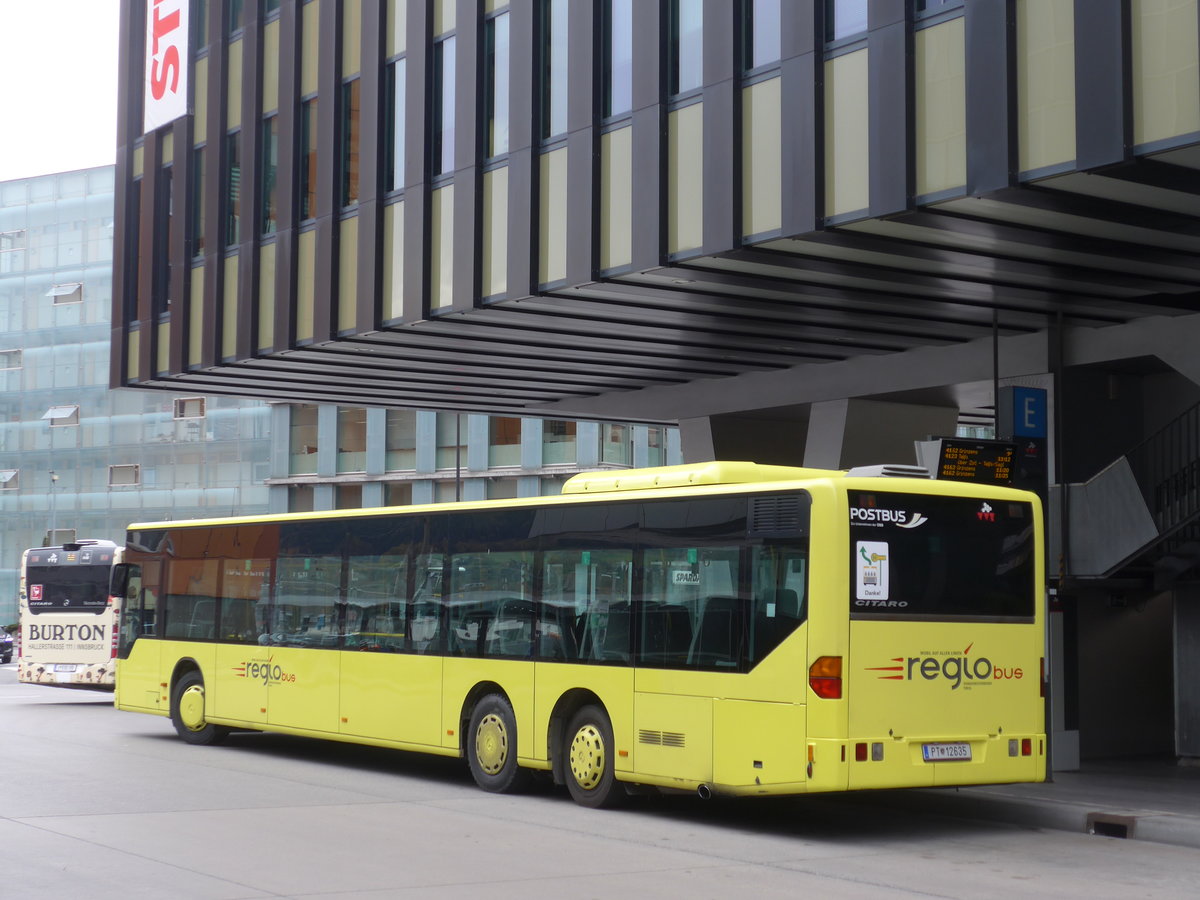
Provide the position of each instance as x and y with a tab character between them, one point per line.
983	462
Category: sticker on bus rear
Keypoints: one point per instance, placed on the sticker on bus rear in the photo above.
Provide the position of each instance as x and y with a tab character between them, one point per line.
872	559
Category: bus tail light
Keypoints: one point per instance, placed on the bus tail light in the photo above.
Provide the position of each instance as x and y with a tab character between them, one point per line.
825	677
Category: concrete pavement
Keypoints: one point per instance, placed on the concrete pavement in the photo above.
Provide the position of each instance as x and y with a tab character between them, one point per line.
1147	800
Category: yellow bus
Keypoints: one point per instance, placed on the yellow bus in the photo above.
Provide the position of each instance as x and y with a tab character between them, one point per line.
67	634
721	628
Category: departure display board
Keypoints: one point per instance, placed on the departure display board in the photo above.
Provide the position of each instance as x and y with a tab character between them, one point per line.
983	462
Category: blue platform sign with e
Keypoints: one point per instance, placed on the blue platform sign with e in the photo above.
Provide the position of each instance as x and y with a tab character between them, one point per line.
1028	412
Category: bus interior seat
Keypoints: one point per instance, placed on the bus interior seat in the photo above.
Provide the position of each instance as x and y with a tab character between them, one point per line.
666	635
717	641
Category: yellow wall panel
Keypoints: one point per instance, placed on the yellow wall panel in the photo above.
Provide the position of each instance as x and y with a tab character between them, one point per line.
351	37
266	296
1166	69
347	274
397	13
552	246
495	232
270	63
200	101
139	158
847	155
393	261
229	306
163	363
196	316
134	348
166	147
306	278
441	262
233	95
616	198
310	32
443	16
1046	82
685	194
941	107
762	158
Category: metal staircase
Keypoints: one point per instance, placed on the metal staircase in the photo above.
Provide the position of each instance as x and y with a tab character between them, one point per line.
1139	518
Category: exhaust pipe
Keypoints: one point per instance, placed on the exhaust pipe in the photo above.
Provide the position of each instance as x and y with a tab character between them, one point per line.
704	792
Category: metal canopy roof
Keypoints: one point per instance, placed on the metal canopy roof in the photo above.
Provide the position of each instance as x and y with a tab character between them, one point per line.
1102	249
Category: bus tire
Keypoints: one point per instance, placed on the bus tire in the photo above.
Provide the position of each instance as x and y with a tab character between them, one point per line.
187	712
491	746
590	755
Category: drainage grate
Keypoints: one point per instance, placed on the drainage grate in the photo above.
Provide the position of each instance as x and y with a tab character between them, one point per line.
1108	825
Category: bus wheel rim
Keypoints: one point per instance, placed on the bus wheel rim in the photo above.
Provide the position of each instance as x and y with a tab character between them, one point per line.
587	757
191	708
491	744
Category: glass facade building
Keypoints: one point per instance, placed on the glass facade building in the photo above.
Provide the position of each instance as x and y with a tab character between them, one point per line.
76	458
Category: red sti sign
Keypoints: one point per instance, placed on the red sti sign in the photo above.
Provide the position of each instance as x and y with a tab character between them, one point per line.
166	62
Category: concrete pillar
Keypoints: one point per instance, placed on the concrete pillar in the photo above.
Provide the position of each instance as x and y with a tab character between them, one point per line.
846	433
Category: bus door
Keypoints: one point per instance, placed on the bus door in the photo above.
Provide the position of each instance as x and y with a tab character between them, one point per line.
138	587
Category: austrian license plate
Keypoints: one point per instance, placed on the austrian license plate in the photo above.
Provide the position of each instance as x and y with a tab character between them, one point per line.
946	752
62	667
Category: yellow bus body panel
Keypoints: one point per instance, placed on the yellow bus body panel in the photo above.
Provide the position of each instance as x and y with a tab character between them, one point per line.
392	697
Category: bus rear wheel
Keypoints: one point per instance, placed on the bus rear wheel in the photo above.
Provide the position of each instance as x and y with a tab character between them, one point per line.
589	764
187	712
492	746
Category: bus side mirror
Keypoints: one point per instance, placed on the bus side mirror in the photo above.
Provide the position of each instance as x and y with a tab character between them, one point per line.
118	582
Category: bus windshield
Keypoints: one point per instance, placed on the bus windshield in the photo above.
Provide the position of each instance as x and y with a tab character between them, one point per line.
53	589
916	556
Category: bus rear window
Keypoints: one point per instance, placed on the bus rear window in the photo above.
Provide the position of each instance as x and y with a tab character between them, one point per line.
916	556
61	589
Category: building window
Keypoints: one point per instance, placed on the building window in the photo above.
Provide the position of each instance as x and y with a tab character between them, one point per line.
301	498
70	292
234	15
761	31
348	496
10	359
351	114
124	475
618	57
554	44
11	245
9	479
197	222
164	239
844	19
62	415
502	489
271	6
394	133
443	106
198	25
558	442
614	445
302	440
397	493
687	46
270	175
504	441
308	159
233	190
451	441
189	408
496	88
352	440
401	440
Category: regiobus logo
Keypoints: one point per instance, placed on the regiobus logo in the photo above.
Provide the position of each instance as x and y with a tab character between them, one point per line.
956	668
265	670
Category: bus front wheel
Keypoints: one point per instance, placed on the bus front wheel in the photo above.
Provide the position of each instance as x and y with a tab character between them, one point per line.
492	746
187	712
590	756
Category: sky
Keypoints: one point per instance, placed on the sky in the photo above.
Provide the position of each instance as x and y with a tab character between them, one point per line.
58	65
